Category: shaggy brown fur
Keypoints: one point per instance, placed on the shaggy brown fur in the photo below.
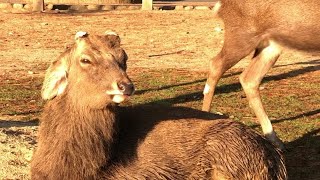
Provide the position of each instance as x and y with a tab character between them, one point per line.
79	138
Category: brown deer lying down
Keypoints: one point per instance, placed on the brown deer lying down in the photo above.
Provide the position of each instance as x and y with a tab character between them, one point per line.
85	135
263	27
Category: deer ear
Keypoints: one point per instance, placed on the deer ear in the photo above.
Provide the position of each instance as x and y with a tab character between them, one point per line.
113	39
55	81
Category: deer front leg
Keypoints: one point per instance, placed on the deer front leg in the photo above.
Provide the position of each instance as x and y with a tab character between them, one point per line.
237	45
250	80
218	66
215	73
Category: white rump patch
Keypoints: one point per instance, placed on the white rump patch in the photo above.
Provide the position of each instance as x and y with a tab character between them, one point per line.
206	89
80	34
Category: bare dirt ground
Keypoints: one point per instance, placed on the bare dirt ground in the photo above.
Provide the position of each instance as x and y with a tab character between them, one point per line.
184	40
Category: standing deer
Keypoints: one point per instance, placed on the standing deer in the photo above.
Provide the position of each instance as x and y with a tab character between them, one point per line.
84	134
263	27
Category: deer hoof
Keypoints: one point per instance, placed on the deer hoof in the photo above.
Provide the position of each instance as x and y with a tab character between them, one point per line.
275	140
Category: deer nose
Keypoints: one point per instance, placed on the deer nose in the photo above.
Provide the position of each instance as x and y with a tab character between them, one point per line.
126	88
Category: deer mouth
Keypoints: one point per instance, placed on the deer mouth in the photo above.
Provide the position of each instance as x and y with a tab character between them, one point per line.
121	91
117	96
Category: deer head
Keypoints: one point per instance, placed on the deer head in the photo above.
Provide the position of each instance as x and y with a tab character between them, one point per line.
92	72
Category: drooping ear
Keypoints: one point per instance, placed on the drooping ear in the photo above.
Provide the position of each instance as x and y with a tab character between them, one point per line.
113	39
55	81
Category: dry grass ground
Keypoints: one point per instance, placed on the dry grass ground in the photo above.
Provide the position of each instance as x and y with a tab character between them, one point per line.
168	59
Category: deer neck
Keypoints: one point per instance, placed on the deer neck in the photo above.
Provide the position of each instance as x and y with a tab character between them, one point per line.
79	139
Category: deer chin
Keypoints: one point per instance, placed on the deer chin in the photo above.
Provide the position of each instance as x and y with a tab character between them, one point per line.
119	98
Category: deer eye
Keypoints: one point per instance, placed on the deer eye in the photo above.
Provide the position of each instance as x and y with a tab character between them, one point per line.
85	61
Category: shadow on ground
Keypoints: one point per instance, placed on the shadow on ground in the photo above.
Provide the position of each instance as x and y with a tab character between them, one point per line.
228	88
303	157
9	124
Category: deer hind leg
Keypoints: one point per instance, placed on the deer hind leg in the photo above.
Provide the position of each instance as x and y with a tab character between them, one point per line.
236	46
265	56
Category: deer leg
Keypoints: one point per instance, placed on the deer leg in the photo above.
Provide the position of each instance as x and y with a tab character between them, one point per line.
215	73
236	47
250	79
